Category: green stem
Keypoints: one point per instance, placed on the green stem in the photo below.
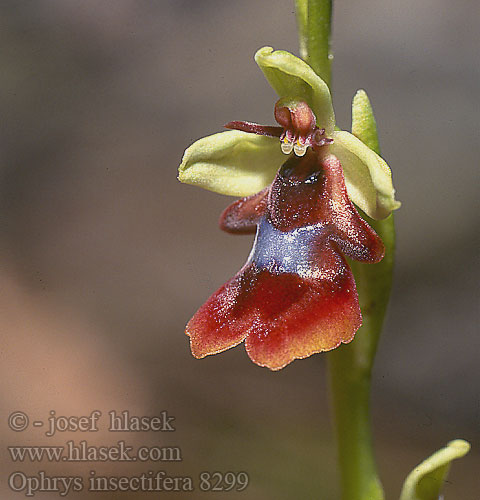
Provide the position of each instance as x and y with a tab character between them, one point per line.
351	365
314	23
350	369
350	397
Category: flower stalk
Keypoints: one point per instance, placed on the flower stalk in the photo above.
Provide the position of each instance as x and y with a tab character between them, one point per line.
314	20
350	366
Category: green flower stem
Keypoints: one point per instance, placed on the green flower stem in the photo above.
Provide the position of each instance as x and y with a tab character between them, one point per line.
314	23
351	365
350	374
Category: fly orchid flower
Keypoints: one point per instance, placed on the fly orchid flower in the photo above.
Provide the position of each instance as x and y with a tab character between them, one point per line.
296	294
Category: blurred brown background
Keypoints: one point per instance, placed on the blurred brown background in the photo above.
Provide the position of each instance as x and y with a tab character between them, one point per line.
104	256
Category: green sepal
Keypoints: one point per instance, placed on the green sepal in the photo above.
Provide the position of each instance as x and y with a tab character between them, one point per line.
233	163
425	482
367	176
364	125
291	77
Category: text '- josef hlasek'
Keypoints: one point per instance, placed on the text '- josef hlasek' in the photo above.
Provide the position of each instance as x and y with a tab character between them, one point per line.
19	421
